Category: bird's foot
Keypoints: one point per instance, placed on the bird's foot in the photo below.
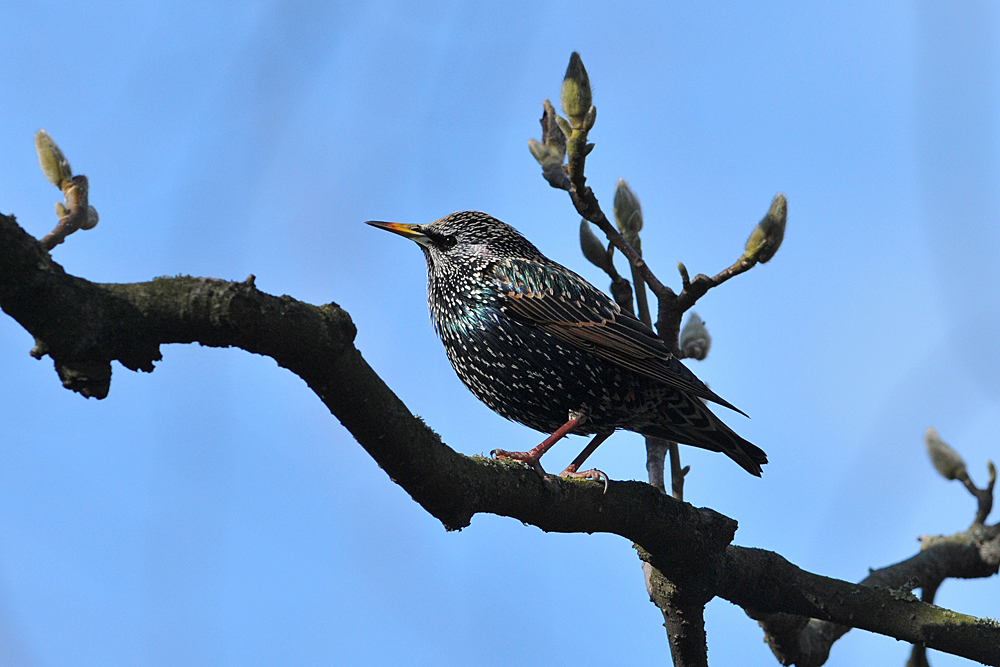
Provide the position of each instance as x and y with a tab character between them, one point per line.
531	458
593	474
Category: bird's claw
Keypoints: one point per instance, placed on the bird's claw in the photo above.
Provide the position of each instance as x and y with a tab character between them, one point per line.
593	474
523	457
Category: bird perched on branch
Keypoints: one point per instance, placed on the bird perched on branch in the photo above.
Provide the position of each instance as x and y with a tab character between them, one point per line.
545	348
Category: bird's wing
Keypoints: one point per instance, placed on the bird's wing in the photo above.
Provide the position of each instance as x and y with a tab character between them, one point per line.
565	305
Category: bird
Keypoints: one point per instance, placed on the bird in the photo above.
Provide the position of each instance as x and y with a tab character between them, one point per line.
541	346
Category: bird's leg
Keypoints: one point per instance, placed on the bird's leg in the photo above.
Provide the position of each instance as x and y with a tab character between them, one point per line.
534	456
594	474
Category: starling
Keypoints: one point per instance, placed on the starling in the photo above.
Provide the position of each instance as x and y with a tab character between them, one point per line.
543	347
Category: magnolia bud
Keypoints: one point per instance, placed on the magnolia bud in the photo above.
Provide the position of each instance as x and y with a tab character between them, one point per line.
575	95
54	164
539	150
628	212
946	460
564	125
695	341
550	152
593	249
553	135
683	270
766	237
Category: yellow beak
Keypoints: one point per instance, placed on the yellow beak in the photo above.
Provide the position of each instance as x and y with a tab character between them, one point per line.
411	232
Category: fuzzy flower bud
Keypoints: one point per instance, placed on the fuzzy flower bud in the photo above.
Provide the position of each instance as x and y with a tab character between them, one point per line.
575	95
550	152
54	164
592	248
539	150
946	460
547	155
564	126
695	341
628	211
766	237
553	134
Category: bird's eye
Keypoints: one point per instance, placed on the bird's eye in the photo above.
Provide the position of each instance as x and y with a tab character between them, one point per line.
448	242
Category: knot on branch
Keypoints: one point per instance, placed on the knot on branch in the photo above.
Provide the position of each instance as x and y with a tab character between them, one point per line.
91	379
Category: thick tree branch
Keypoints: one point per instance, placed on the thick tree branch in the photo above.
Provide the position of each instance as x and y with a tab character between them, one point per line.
918	654
84	326
77	322
970	554
683	618
761	582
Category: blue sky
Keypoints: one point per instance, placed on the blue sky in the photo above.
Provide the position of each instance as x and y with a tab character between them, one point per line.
215	513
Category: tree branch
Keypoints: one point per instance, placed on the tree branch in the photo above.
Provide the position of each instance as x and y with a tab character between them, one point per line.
970	554
918	654
683	618
83	326
763	581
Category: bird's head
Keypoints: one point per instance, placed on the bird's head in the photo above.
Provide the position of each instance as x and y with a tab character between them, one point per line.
466	236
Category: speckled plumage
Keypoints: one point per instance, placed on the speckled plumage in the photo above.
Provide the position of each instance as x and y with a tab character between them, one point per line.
534	341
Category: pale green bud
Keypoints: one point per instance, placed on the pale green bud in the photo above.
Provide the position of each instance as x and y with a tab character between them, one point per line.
592	248
550	152
546	154
695	341
564	125
766	237
590	119
946	460
575	96
54	164
539	150
628	211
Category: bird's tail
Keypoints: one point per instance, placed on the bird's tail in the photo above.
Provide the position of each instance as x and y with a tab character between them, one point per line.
712	434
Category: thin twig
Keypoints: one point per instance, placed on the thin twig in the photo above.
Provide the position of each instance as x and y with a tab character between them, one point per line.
697	288
984	496
642	303
656	454
621	288
676	471
587	205
73	215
